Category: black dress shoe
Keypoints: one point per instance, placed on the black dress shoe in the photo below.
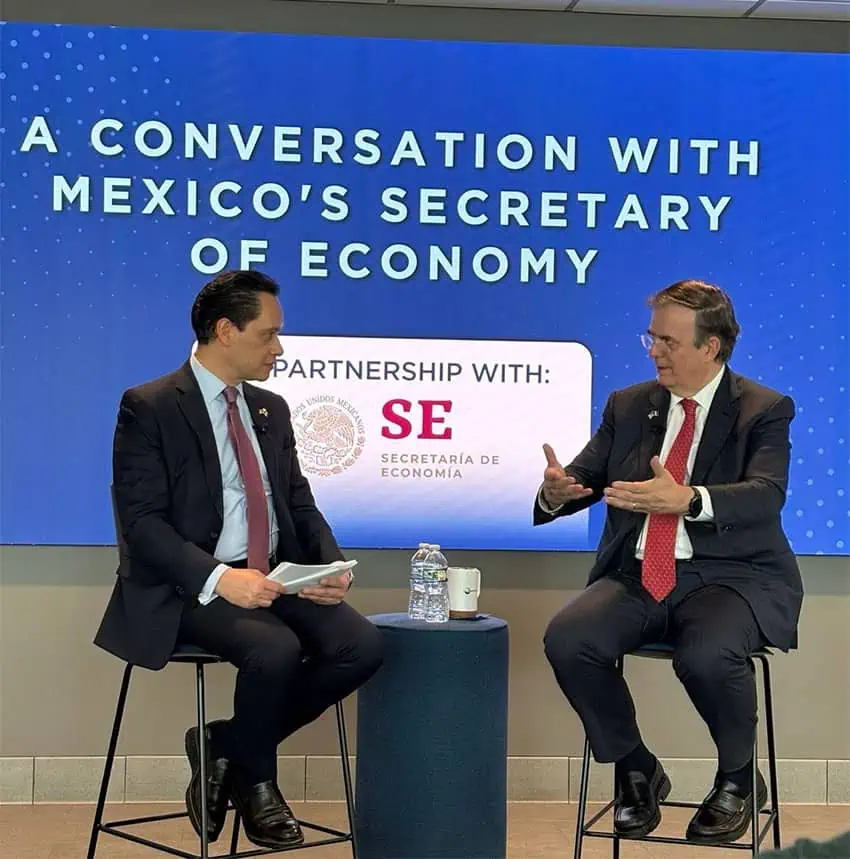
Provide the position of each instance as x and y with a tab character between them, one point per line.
636	805
726	813
218	786
267	819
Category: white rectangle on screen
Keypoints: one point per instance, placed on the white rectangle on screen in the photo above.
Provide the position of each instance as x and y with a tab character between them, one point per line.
405	440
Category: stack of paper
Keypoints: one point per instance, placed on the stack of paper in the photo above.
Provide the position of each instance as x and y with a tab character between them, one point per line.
296	576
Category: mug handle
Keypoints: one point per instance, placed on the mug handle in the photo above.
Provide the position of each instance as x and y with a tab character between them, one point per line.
478	583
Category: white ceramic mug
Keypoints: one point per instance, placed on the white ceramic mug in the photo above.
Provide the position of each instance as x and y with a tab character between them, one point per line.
464	590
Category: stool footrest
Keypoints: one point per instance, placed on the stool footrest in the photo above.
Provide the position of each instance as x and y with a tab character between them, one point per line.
769	813
114	828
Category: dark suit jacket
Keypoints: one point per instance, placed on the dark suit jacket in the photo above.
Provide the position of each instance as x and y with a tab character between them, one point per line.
742	460
168	498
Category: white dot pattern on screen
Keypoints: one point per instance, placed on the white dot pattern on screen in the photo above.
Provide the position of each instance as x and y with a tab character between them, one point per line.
797	329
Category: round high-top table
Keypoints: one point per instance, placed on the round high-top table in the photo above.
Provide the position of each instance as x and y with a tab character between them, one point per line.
431	779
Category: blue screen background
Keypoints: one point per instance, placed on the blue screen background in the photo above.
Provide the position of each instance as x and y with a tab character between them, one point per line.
94	303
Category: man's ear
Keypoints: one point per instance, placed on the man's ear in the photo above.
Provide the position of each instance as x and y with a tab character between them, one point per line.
224	329
713	344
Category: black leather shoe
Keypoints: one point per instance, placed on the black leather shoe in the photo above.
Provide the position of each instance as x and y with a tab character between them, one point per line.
726	813
218	786
636	805
267	819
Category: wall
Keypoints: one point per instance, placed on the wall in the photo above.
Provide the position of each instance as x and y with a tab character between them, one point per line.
57	692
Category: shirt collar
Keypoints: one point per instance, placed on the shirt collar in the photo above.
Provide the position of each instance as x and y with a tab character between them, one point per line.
705	395
210	384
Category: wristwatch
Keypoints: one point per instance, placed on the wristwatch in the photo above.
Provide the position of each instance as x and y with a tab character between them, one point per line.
695	507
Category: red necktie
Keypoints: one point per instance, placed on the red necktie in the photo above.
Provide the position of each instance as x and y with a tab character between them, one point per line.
658	573
255	493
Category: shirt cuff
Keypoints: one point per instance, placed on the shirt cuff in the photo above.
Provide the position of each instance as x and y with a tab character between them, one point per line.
545	505
208	594
707	512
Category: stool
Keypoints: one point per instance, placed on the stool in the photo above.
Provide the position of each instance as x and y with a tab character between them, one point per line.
432	742
771	812
199	658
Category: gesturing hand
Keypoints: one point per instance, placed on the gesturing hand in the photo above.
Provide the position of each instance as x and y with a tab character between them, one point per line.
659	494
248	588
558	486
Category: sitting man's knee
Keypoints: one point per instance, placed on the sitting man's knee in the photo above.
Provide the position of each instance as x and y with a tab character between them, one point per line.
276	661
562	643
370	649
359	653
705	662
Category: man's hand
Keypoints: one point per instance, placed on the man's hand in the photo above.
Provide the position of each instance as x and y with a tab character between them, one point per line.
659	494
248	588
559	487
329	591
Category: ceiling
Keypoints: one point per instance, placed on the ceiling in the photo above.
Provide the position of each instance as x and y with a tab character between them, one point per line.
802	10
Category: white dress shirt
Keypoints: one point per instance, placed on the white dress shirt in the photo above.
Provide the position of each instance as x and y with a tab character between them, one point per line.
675	418
232	543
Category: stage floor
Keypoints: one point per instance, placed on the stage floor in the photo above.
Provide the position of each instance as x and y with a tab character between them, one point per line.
535	831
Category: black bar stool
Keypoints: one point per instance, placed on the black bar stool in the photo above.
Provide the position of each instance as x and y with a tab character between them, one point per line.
770	813
199	658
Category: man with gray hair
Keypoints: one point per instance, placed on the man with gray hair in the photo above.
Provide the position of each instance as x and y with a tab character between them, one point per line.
693	467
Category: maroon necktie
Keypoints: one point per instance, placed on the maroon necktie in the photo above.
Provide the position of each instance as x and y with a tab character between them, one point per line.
658	573
255	493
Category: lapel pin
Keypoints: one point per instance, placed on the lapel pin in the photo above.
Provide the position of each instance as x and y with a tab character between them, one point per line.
652	414
264	412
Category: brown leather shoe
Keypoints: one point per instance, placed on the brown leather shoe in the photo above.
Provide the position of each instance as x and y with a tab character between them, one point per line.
636	804
218	786
267	819
726	813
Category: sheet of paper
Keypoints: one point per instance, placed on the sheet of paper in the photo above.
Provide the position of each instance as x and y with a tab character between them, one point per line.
296	576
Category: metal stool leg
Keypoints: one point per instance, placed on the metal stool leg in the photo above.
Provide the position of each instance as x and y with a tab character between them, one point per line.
202	740
234	838
771	748
755	823
581	812
615	845
346	776
110	759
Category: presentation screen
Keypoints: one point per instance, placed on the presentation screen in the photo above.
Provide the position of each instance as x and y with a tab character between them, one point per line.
465	235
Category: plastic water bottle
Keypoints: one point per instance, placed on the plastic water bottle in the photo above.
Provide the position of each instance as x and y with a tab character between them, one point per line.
418	596
436	586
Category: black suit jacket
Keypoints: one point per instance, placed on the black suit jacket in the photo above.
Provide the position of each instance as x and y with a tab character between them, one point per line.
742	460
168	498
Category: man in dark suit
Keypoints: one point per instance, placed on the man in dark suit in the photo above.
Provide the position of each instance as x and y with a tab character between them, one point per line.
210	497
693	468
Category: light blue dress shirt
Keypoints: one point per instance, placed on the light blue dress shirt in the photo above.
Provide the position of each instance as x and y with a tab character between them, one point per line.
232	544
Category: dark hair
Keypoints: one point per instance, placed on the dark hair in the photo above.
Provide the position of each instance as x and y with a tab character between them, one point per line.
715	316
232	295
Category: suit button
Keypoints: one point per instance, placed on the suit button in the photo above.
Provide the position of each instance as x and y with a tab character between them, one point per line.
180	591
214	535
727	527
